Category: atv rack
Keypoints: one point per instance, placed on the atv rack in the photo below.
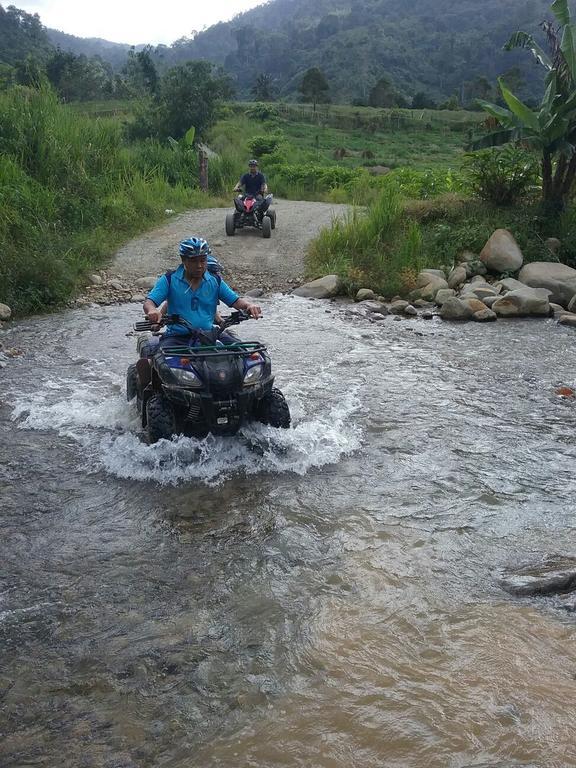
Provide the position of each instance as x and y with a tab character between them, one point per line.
238	349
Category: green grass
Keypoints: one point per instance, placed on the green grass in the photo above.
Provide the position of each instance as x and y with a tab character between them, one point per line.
72	190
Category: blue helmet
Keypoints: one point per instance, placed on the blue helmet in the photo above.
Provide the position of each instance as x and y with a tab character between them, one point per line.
194	247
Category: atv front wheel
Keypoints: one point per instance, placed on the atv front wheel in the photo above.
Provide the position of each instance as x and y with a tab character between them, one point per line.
273	409
230	226
159	419
266	226
131	382
272	214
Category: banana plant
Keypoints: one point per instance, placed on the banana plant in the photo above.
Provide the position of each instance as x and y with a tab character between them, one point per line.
551	129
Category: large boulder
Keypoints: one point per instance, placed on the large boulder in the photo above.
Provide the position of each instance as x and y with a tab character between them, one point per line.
428	283
145	283
443	295
501	253
567	319
509	284
5	312
559	279
365	294
454	309
522	303
457	277
322	288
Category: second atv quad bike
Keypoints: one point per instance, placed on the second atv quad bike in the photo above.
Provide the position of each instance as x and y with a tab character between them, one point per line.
206	385
252	211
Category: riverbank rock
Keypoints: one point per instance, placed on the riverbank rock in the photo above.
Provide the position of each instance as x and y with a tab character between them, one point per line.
523	303
428	283
443	295
501	253
567	319
365	294
485	315
457	277
552	575
322	288
398	307
455	309
376	307
146	283
559	279
95	279
5	312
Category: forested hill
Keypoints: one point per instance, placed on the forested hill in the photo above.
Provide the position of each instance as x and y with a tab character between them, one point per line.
114	53
424	45
439	48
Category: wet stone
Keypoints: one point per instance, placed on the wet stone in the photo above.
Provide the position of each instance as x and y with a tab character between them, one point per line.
551	576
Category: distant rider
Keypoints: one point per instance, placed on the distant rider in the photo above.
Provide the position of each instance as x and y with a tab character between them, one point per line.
192	292
254	183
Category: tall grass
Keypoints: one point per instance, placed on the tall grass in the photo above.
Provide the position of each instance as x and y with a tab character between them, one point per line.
376	248
70	191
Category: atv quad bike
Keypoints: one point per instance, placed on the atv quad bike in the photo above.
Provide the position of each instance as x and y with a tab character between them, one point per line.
198	384
252	211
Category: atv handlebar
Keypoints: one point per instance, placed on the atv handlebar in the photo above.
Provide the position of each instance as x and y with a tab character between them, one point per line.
235	318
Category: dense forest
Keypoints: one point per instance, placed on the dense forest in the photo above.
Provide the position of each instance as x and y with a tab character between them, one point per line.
433	46
375	52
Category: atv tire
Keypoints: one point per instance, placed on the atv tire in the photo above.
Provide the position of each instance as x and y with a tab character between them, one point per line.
131	382
159	419
266	226
272	215
230	226
273	410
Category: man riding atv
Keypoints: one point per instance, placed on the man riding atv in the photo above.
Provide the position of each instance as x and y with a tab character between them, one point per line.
254	183
192	292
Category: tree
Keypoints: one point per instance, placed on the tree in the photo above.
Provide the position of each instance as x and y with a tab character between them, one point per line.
421	100
187	96
263	88
314	86
140	71
383	94
552	127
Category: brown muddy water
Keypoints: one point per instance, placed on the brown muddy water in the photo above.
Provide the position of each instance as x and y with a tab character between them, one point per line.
324	597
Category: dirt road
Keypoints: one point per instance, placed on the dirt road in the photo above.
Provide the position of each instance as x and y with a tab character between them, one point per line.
250	261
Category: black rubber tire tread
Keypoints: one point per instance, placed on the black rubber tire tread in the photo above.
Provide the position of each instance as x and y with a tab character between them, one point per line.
266	227
274	410
131	382
230	228
272	215
159	419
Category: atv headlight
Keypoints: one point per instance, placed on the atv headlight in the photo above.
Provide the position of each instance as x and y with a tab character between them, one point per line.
186	378
253	375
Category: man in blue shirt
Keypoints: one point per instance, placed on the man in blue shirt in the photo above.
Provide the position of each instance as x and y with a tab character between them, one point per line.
192	292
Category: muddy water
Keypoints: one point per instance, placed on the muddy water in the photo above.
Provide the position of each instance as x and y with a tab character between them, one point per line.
323	597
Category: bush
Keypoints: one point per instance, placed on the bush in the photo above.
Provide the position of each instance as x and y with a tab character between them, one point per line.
264	145
262	112
501	176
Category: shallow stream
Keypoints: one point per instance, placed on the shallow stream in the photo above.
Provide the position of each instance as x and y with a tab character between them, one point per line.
323	597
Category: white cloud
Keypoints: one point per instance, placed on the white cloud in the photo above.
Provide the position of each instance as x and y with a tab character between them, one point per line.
131	21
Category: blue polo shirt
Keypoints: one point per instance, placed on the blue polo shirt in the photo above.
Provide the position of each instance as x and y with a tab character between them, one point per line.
199	306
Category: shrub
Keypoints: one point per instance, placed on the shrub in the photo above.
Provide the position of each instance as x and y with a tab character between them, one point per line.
501	176
262	112
264	145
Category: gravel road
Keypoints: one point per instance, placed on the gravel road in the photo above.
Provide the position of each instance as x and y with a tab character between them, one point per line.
250	261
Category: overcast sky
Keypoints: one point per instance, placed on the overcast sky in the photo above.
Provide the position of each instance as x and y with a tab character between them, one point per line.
133	21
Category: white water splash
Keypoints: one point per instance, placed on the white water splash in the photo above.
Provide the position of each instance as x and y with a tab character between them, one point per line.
83	410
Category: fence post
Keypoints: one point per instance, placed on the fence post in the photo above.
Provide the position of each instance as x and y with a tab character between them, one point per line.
203	170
